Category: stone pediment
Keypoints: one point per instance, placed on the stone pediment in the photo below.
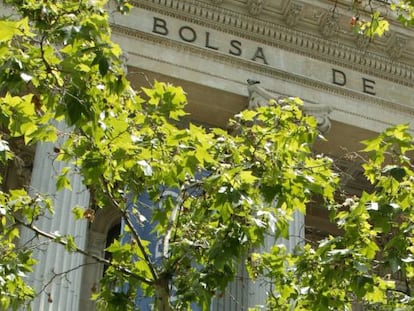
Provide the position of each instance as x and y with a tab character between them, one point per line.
259	97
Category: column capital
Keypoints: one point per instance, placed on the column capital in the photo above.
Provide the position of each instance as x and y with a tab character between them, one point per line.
259	97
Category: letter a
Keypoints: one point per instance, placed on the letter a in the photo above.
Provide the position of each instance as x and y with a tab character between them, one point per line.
260	54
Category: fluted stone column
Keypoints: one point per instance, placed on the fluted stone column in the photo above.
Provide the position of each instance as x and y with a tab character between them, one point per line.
57	275
257	291
235	297
244	293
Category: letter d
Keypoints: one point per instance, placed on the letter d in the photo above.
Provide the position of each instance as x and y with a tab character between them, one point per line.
338	77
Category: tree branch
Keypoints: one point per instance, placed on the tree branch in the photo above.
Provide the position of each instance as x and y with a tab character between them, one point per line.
63	242
141	245
138	239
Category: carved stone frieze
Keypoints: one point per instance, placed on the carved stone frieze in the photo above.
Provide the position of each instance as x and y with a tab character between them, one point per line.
255	7
293	14
259	97
329	25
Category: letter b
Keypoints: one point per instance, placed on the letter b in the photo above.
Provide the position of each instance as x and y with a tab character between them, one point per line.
160	26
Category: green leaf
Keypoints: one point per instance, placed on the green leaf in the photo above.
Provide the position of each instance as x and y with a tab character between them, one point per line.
247	178
8	29
62	181
78	212
70	243
103	65
396	172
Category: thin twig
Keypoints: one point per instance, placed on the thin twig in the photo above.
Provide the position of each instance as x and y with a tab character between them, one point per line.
59	240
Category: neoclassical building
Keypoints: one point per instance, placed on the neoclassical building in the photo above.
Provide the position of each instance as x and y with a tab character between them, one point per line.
353	85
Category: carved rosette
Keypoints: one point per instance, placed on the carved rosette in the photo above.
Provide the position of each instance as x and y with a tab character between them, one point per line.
396	46
293	14
259	97
255	7
329	25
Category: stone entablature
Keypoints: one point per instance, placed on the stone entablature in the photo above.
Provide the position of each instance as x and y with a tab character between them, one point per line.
189	35
221	45
316	42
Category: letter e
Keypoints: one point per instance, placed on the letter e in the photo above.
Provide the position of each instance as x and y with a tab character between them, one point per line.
368	86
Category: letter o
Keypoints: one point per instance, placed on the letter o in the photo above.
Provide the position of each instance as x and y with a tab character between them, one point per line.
187	34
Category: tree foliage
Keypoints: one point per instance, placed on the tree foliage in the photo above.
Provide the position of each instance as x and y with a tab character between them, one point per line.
371	261
62	81
372	18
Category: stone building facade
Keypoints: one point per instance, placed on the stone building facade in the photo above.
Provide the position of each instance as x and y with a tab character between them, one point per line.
354	86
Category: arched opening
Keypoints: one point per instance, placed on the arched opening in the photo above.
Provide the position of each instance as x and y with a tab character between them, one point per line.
113	234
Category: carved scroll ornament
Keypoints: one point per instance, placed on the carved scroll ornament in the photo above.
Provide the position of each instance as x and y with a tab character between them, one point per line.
259	97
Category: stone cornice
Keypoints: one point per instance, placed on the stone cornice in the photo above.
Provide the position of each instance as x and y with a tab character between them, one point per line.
265	32
256	68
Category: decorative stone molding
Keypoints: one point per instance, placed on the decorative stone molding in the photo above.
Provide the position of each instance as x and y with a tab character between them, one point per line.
293	14
217	2
255	7
259	97
329	25
124	59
